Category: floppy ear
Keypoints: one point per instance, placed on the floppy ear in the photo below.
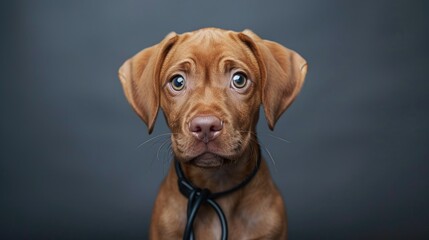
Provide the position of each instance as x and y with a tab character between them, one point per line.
282	72
139	76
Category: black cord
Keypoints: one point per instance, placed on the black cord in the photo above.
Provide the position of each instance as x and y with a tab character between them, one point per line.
197	196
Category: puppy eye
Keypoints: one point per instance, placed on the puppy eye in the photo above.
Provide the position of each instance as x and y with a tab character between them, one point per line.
177	82
239	80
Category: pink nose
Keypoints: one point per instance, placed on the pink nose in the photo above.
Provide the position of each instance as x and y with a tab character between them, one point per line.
205	128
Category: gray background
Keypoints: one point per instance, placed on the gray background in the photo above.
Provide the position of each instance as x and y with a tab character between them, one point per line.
355	166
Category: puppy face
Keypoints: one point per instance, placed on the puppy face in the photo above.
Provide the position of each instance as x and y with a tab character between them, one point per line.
210	75
210	84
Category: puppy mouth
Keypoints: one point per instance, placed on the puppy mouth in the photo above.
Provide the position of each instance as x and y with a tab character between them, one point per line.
208	160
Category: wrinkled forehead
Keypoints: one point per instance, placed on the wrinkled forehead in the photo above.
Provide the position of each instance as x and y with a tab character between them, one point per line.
218	51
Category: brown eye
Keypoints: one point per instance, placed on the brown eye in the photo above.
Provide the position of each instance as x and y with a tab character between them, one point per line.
239	80
177	82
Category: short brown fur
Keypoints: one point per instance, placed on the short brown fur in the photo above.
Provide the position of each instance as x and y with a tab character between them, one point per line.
207	59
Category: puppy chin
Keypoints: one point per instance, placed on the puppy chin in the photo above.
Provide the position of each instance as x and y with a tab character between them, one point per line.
208	160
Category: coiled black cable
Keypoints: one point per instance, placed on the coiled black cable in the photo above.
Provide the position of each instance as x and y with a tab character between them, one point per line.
196	196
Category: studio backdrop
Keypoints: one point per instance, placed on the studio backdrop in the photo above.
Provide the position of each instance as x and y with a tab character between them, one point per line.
350	156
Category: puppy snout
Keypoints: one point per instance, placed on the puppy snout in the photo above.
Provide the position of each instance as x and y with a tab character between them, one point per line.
205	128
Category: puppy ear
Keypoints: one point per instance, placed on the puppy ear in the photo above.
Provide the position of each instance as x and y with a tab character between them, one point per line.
139	76
282	71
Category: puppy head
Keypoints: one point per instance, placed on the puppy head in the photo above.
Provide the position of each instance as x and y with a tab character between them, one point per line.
210	84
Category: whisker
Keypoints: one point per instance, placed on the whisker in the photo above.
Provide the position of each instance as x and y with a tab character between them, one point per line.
264	148
159	149
270	156
279	138
160	141
170	154
166	158
164	141
267	134
158	136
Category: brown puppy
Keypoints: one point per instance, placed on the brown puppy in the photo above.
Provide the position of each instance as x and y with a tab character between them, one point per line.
210	84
